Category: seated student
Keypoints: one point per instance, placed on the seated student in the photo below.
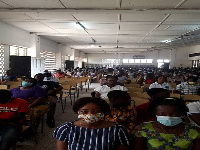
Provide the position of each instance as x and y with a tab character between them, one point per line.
161	83
169	131
91	131
51	88
34	95
143	109
8	77
121	111
189	87
12	111
103	90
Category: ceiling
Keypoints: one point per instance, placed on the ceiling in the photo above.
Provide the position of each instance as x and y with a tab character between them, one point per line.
108	26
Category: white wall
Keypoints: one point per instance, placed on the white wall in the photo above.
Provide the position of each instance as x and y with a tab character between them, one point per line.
13	36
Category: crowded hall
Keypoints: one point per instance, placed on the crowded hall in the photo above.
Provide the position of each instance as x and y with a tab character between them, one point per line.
99	75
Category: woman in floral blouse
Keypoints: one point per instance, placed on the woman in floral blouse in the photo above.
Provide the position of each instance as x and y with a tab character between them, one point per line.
121	111
169	132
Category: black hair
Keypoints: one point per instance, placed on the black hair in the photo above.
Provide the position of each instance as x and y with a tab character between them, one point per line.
116	94
5	94
98	101
34	80
171	101
193	78
153	91
160	75
110	76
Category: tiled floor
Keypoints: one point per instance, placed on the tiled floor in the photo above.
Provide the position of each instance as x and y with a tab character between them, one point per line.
45	140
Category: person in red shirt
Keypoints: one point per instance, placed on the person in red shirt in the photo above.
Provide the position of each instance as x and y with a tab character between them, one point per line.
142	110
12	111
59	74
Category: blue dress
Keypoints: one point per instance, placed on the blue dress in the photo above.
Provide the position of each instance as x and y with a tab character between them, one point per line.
79	138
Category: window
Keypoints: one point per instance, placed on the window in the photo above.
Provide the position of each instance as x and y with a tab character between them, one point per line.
125	60
137	60
49	60
160	60
1	60
131	61
149	60
143	61
18	51
166	60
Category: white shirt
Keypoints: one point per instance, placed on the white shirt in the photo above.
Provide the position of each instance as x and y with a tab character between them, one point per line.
104	90
194	108
165	85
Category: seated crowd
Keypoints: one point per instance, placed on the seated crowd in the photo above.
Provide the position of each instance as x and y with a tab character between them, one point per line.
110	119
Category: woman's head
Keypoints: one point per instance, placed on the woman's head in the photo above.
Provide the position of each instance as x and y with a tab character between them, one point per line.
29	82
119	98
92	105
172	107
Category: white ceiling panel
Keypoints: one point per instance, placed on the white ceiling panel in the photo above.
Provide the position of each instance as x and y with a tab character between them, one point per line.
191	4
4	5
133	32
139	27
102	31
39	30
150	4
34	3
96	17
29	24
136	24
143	17
16	15
62	25
184	17
51	16
75	31
105	4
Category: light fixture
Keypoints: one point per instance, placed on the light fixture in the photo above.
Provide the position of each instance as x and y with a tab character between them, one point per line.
82	27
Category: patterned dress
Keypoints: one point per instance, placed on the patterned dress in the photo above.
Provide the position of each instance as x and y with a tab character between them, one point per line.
163	141
124	116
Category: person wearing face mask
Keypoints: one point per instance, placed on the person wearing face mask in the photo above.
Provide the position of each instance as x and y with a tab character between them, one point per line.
49	77
169	131
189	87
34	95
91	131
12	111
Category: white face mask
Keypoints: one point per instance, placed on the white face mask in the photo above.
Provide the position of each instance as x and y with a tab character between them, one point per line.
91	118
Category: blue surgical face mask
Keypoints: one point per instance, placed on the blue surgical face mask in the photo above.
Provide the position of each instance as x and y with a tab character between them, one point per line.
169	121
26	84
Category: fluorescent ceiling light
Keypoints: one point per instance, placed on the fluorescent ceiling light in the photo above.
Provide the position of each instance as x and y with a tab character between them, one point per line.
82	27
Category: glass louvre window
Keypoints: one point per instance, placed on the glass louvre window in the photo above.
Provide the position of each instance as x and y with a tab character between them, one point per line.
125	60
143	60
22	51
137	60
18	51
131	61
166	60
149	60
160	60
13	51
49	60
1	60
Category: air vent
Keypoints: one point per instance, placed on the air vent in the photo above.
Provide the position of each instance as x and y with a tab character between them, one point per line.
194	54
